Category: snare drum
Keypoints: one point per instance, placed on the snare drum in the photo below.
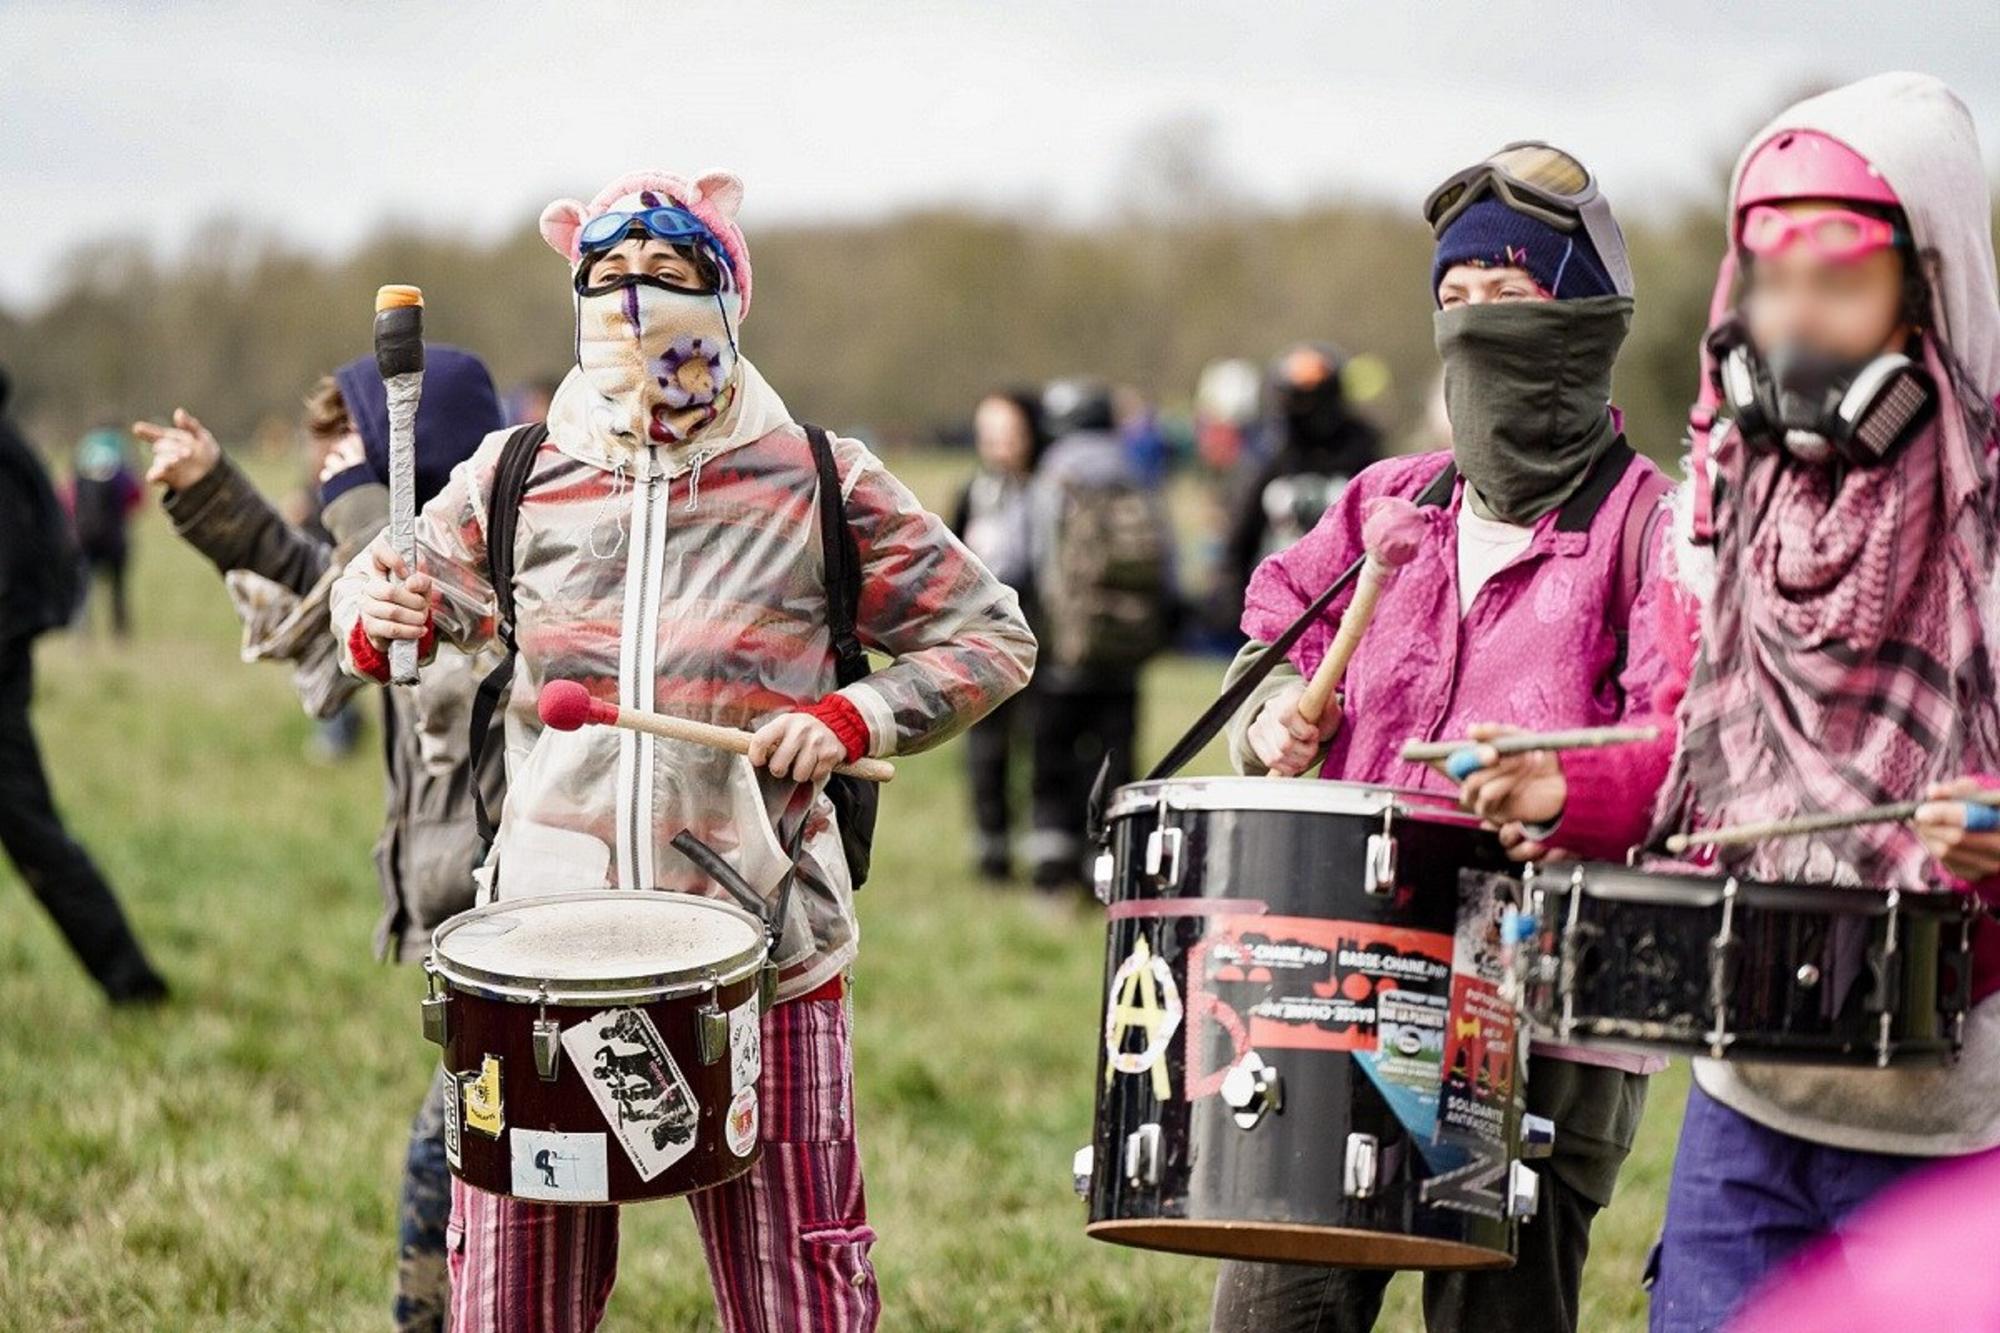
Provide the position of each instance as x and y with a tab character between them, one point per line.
599	1047
1305	1055
1806	973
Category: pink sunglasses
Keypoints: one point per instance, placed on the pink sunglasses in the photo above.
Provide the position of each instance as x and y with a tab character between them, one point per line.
1836	235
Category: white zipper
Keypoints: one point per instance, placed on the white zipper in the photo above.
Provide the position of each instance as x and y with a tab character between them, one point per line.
638	648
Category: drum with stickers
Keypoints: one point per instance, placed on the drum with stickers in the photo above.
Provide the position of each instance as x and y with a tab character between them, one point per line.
1728	968
599	1047
1307	1051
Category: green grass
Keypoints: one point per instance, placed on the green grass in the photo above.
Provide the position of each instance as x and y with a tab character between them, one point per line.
230	1162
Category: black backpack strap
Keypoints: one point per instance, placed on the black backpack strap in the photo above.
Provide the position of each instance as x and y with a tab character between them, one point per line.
503	507
843	564
1216	716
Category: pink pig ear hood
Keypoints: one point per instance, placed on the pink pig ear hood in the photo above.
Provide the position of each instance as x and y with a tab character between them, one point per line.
713	197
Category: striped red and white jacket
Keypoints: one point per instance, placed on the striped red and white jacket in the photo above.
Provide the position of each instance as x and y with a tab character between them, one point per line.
689	580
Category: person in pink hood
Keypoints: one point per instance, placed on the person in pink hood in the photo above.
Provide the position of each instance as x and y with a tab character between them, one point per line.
668	555
1528	602
1832	619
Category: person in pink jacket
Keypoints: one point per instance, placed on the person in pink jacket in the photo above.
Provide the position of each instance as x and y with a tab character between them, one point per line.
1830	615
1529	602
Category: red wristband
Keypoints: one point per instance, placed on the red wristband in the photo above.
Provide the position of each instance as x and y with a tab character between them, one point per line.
844	720
372	662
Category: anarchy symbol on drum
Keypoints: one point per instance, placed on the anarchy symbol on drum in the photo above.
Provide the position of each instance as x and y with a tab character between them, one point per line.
1143	996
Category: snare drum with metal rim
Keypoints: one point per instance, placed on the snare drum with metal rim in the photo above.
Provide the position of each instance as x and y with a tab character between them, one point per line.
1805	973
599	1047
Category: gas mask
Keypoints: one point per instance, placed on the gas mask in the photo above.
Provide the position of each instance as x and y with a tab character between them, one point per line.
1821	409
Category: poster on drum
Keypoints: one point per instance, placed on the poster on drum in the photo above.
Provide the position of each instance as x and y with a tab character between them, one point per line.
636	1084
1481	1054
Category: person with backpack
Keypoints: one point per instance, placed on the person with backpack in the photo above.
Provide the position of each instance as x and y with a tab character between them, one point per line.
1314	442
674	541
280	576
1008	438
1094	544
40	586
1528	603
102	495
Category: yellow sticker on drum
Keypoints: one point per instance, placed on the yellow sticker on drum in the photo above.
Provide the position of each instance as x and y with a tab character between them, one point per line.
481	1096
1145	1000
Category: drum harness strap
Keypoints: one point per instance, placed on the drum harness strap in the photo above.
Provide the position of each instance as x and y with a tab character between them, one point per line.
1578	512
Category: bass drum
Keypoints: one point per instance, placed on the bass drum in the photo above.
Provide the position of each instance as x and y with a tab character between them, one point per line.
599	1047
1306	1052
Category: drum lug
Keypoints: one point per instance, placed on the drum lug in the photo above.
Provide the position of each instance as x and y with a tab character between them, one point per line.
437	1007
1524	1191
712	1030
1163	855
1379	874
1251	1089
1103	874
1360	1166
1142	1156
548	1048
1081	1165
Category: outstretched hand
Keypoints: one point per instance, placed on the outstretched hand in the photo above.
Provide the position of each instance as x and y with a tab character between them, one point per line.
183	453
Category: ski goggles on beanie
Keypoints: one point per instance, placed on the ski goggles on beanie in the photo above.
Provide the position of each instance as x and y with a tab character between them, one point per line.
1835	235
665	223
1540	181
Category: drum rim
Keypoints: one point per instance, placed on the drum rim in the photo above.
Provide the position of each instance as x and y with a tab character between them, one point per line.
1239	791
1657	888
648	986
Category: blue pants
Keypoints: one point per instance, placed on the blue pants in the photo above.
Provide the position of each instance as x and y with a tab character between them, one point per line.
1744	1199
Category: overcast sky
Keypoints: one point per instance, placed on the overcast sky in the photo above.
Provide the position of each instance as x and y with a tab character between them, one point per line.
323	121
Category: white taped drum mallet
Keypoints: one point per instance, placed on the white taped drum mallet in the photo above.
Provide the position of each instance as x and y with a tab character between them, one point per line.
399	355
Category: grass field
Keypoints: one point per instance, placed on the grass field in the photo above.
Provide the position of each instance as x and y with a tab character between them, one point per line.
229	1162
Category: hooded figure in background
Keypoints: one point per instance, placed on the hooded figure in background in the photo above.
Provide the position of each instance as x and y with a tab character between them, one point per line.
1314	443
280	577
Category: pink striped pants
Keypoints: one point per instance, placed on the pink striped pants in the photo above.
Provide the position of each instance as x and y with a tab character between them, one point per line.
787	1242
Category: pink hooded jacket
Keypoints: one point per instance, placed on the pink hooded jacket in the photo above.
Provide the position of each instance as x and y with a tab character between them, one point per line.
1539	647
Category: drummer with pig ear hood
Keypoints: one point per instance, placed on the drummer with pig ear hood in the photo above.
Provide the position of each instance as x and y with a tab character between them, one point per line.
667	556
1526	604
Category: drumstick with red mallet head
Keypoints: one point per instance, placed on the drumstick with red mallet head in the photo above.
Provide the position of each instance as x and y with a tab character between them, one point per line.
1391	529
566	705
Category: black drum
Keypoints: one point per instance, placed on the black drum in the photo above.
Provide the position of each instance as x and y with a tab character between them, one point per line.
1812	974
1306	1051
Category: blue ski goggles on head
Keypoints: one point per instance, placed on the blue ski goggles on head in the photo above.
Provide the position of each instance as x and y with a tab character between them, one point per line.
667	223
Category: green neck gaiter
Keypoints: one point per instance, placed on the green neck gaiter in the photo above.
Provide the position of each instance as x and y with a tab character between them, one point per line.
1527	385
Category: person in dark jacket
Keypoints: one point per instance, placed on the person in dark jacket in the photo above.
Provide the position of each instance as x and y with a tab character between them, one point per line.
103	494
39	584
1007	433
280	576
1313	443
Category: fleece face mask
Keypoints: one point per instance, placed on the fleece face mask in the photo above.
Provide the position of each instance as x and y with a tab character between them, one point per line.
1527	385
664	356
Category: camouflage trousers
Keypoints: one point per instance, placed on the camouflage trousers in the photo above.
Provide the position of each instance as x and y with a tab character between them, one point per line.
423	1286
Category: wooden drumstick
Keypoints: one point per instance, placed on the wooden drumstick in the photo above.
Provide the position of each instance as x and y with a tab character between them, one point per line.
1390	530
1458	754
567	705
1730	835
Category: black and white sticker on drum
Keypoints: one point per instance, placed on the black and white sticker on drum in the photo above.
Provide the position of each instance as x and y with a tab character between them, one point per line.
637	1085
